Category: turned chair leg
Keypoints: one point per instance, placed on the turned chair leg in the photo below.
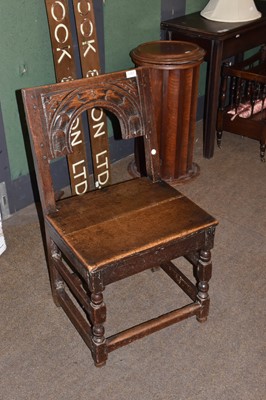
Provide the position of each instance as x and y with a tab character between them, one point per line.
204	272
56	281
99	347
219	138
262	151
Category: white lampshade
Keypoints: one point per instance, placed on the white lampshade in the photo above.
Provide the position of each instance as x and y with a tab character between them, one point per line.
231	10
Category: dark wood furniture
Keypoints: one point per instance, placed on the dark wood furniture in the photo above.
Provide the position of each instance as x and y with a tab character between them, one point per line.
242	108
175	70
220	41
107	235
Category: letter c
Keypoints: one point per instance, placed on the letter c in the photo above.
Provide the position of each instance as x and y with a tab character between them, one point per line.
56	33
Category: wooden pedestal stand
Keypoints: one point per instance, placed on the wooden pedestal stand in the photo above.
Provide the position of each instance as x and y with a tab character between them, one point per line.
175	75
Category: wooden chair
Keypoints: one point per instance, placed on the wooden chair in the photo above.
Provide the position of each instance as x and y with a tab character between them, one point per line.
107	235
242	108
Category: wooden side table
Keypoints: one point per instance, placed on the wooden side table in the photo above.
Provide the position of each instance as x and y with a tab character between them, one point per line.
220	40
174	81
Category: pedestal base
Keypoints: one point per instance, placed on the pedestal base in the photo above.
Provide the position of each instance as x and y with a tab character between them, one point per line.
174	68
133	170
193	173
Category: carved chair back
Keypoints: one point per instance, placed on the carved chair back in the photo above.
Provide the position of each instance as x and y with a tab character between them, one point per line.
52	112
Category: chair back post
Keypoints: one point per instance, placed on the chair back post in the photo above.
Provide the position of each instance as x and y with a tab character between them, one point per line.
39	142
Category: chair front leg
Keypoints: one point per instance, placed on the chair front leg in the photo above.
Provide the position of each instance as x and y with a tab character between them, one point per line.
56	281
262	151
204	272
219	138
99	350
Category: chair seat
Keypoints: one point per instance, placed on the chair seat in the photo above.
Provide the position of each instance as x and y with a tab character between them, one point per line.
108	228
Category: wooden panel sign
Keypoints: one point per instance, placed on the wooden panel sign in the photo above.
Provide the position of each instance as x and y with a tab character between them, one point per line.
65	68
90	65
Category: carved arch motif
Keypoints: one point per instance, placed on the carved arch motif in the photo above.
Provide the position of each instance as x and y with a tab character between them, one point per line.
62	108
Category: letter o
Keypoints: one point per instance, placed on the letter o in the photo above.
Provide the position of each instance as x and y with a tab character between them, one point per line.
53	11
75	124
81	8
83	27
93	114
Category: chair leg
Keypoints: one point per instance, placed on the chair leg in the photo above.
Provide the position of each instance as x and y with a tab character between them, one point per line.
204	271
262	151
99	347
219	138
56	281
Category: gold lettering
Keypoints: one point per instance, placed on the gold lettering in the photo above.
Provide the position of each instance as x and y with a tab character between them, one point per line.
92	72
56	33
81	7
53	11
89	31
100	177
100	155
75	136
77	188
67	78
79	170
99	132
76	166
93	114
64	53
75	124
89	44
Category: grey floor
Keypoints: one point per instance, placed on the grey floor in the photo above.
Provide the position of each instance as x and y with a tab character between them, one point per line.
42	356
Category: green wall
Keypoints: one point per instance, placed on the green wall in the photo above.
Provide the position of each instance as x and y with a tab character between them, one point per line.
195	5
24	41
126	25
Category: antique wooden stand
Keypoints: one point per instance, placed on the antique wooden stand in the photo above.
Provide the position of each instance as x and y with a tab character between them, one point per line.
175	74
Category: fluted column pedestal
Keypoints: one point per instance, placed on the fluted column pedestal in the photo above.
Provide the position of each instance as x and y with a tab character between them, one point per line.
175	69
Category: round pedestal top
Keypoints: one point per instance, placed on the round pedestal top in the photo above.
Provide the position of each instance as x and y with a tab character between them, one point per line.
167	52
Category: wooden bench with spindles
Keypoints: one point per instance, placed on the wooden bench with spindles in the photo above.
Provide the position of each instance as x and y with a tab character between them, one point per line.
242	108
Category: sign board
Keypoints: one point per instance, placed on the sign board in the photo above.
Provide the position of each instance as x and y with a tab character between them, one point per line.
66	68
90	65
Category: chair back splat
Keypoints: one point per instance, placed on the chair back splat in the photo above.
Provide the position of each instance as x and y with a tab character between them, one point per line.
97	237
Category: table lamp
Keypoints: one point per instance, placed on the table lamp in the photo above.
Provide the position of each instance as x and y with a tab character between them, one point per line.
231	10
